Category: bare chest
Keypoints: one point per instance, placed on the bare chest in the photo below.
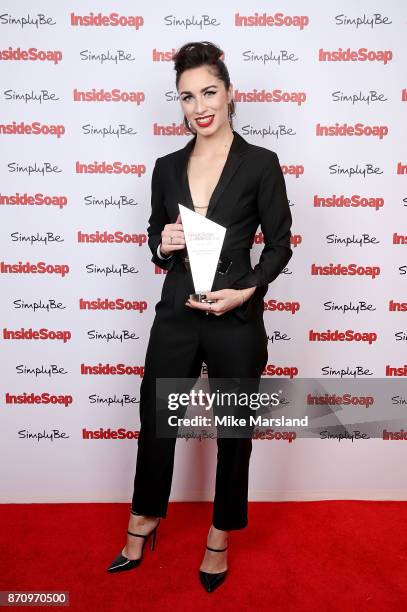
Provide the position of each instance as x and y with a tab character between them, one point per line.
203	177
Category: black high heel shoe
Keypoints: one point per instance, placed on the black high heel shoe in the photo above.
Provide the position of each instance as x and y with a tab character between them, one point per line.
211	581
122	563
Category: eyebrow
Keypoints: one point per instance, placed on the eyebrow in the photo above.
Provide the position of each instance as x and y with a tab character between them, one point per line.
202	90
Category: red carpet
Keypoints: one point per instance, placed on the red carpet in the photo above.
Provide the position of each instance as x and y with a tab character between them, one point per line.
293	556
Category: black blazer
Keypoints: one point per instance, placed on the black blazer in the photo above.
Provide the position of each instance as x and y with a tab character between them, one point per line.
250	192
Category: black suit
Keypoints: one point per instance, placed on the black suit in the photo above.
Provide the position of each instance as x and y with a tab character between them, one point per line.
250	192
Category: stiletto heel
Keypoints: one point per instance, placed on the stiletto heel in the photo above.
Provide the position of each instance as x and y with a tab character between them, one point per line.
122	563
211	581
153	539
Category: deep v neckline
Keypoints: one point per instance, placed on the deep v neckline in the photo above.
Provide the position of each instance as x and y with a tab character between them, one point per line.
221	176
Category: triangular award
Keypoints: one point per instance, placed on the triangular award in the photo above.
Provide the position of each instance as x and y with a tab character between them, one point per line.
204	240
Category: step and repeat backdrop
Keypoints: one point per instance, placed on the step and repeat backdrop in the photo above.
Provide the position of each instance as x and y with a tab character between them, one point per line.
87	103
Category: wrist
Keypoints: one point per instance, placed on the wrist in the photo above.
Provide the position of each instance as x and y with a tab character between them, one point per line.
246	294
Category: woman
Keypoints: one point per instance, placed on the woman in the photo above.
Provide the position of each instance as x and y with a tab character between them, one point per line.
239	186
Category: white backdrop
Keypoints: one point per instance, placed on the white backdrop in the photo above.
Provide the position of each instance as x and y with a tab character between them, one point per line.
64	466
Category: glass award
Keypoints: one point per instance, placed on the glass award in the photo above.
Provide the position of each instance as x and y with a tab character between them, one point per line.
204	239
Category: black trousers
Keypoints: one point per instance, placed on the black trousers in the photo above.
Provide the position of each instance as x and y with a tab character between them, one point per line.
180	341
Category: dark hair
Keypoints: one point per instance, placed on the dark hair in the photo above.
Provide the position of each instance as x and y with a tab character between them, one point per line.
204	53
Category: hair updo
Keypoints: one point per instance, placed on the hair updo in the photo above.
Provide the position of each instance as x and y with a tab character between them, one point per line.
204	53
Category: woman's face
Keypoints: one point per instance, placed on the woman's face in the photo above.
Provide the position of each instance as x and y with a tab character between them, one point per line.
204	95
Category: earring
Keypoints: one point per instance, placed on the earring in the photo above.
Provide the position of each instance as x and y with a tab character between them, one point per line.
187	124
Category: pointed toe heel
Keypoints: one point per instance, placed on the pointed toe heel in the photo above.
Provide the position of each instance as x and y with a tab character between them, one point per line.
209	581
122	563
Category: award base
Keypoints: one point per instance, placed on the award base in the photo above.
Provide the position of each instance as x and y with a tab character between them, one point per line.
200	297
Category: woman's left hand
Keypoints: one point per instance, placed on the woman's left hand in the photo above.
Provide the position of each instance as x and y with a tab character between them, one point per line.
227	299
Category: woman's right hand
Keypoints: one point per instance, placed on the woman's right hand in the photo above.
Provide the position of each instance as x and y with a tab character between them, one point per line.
172	238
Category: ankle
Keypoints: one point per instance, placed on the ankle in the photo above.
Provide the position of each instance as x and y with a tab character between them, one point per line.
217	531
217	536
143	519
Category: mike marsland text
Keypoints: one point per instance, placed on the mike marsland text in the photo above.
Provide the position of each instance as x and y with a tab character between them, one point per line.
232	421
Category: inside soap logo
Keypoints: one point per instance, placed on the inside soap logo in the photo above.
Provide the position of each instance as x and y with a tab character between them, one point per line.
37	334
275	95
37	199
359	55
36	129
113	95
33	268
32	54
359	129
265	20
113	20
36	398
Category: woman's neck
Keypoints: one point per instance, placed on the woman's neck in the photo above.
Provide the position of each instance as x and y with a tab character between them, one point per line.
217	144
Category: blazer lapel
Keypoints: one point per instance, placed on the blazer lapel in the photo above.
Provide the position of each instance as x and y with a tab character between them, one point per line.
238	149
235	157
181	173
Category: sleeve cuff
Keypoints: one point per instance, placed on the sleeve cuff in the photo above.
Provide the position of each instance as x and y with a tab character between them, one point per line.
161	256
